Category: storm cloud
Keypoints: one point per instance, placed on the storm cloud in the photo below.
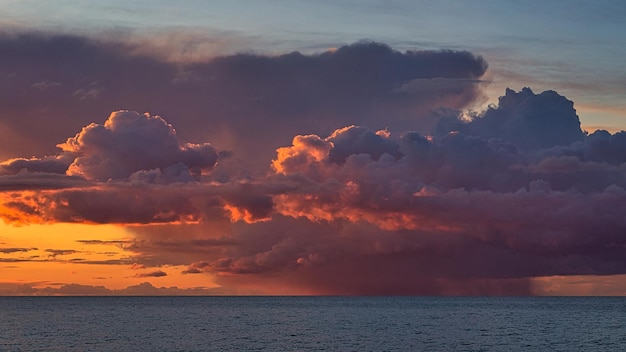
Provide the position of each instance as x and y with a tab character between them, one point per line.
352	171
454	212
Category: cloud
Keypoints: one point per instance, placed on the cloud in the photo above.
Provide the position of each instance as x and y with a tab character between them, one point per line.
10	250
526	119
299	257
196	268
454	242
364	211
56	164
603	147
131	169
45	85
143	289
104	242
129	142
56	252
352	171
128	146
431	215
156	273
141	203
24	181
248	104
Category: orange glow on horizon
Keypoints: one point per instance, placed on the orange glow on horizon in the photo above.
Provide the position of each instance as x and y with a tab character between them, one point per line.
580	285
54	255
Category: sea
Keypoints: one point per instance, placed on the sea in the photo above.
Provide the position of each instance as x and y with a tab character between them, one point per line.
312	324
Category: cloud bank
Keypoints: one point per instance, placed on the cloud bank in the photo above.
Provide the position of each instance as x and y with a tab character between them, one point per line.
352	171
142	289
249	104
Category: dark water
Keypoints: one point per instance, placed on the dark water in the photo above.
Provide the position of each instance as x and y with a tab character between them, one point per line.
311	324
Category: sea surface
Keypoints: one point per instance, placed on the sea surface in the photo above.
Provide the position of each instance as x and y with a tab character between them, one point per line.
312	324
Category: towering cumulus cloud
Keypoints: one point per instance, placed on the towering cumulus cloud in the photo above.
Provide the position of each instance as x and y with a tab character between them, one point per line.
517	192
351	171
529	120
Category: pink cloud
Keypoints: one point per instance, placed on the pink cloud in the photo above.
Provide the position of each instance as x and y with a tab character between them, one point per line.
129	142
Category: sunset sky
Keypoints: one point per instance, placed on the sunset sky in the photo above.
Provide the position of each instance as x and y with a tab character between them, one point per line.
312	147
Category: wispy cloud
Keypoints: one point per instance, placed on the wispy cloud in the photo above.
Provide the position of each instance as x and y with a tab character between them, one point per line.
10	250
156	273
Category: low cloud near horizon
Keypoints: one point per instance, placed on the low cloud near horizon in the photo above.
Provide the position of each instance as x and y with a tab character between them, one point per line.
353	171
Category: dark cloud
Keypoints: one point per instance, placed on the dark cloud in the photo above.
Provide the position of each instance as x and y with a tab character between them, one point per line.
156	273
455	204
141	203
56	252
451	244
103	242
56	164
526	119
364	212
603	147
9	250
122	261
353	259
246	103
14	260
196	268
39	181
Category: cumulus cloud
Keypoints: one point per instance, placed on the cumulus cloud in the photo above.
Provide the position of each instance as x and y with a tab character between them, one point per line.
526	119
455	203
603	147
128	147
119	172
382	203
129	142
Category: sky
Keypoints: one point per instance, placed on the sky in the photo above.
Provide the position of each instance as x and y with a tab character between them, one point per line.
312	148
